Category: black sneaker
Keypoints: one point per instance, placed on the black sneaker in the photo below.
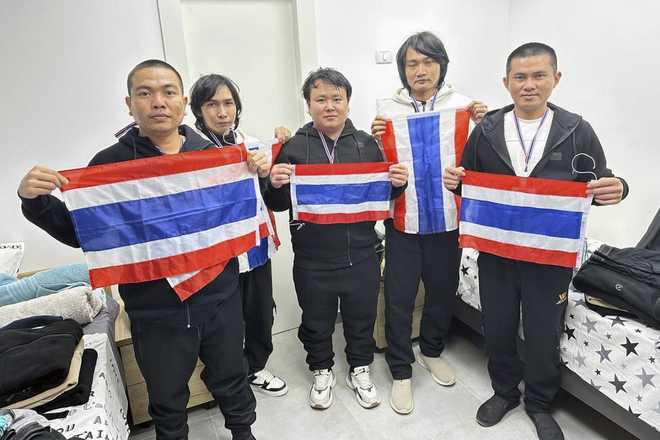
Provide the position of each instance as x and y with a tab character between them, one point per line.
493	410
547	427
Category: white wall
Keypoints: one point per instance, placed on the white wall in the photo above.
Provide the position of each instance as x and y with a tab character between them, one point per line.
63	84
608	54
473	31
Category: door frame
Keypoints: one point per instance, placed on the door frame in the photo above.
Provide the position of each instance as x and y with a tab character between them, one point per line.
305	39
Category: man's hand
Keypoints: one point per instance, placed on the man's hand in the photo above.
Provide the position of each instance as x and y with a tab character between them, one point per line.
398	174
282	134
378	126
452	177
280	174
258	163
606	190
477	111
40	181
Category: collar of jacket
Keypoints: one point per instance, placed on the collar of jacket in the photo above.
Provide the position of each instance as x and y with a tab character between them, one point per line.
143	144
308	129
564	124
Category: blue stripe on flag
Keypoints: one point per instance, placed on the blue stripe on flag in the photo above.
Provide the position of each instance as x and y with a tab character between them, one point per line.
138	221
425	142
258	255
343	194
540	221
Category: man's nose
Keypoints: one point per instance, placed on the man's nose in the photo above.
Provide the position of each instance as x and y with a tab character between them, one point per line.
158	100
222	111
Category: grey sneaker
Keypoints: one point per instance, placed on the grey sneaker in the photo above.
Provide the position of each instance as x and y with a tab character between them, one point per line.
441	372
320	395
359	380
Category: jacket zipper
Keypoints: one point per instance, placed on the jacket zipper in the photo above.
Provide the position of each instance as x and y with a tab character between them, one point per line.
348	242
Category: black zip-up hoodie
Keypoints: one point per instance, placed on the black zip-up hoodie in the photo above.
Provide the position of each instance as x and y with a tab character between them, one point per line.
335	246
486	149
152	302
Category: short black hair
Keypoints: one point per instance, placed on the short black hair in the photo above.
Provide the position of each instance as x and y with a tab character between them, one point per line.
203	91
329	76
147	64
425	43
530	50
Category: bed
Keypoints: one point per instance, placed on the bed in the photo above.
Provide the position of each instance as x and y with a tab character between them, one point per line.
610	363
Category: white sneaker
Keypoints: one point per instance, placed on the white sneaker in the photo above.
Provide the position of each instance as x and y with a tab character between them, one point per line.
359	381
320	395
265	382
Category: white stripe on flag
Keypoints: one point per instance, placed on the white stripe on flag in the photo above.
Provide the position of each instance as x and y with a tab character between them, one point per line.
526	200
344	208
338	179
170	247
448	159
520	238
178	279
404	154
155	186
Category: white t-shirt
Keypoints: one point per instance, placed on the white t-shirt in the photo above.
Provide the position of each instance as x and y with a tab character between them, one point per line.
528	129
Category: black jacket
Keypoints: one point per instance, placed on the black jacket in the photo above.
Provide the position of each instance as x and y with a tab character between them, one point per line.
569	135
334	246
152	301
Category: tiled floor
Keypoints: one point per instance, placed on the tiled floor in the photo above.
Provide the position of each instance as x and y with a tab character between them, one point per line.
440	413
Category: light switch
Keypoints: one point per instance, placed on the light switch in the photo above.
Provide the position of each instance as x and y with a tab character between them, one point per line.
383	57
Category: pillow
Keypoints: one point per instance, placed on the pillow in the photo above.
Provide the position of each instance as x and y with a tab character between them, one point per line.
11	257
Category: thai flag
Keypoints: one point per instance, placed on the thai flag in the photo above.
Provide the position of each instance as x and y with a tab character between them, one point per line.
524	218
164	216
341	193
428	142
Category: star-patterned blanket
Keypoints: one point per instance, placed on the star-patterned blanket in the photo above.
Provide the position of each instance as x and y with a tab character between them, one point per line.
618	356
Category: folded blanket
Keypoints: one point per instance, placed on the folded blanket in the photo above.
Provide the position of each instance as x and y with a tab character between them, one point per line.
46	282
79	303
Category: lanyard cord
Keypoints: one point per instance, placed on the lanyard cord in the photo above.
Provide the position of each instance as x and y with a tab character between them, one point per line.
329	153
528	152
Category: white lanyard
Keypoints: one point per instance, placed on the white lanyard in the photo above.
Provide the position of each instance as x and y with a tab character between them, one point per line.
528	153
330	154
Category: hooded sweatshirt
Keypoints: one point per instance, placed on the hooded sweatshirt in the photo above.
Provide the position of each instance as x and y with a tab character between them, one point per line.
334	246
402	103
151	302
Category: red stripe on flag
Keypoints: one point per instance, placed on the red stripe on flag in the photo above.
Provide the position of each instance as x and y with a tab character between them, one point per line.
170	266
521	253
530	185
388	139
151	167
275	151
326	219
194	284
276	238
461	129
337	169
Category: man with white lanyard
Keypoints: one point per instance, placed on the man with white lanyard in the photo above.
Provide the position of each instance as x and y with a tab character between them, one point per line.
334	263
422	62
530	138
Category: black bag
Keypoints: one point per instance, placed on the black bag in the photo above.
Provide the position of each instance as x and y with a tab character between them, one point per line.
627	278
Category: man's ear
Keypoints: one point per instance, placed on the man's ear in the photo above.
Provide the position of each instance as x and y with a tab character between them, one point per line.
128	104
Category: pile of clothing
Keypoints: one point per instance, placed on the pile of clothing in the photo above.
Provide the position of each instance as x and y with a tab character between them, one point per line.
25	424
43	364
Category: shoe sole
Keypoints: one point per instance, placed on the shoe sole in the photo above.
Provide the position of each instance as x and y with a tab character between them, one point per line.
362	403
277	393
435	379
402	412
332	397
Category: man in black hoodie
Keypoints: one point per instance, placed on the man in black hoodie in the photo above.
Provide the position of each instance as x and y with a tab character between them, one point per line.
168	335
531	138
337	262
